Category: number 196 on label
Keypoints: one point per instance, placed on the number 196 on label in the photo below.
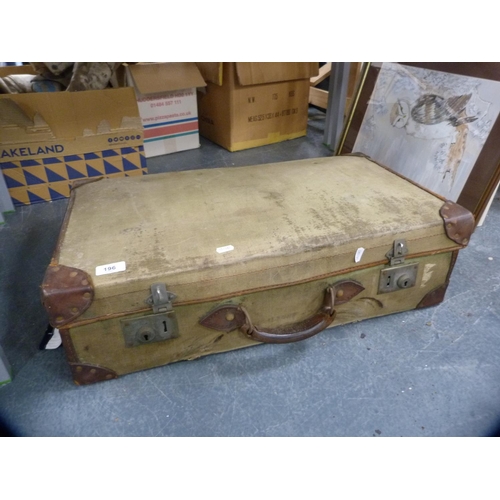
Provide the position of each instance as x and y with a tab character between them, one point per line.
114	267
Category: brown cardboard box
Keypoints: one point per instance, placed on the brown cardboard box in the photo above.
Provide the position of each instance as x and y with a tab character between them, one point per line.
246	105
50	139
166	97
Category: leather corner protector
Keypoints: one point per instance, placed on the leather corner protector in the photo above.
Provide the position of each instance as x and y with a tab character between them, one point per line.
85	374
66	293
434	297
459	222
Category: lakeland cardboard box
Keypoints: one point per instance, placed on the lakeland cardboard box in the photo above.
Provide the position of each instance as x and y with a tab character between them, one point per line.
48	140
166	96
252	104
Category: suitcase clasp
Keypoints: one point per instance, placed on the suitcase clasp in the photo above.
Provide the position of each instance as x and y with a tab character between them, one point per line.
400	274
160	299
397	254
156	327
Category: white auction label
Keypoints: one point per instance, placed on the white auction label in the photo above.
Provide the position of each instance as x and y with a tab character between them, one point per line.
115	267
227	248
359	254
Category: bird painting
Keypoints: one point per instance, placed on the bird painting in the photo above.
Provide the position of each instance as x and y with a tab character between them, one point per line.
432	109
435	117
429	125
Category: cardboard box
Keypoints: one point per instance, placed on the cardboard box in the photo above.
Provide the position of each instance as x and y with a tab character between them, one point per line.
252	104
166	97
48	140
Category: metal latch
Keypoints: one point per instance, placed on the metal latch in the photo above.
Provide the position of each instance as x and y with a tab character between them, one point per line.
397	254
399	275
160	299
156	327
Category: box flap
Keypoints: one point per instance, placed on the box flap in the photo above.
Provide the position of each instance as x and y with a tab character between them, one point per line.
153	78
211	71
12	115
16	126
67	114
268	72
16	70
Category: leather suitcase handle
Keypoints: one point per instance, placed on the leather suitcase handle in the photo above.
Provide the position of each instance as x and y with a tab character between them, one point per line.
297	331
228	318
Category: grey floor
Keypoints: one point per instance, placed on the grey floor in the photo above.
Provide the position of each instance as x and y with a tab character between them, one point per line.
431	372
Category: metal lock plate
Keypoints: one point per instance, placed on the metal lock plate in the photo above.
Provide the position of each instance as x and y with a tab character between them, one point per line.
153	327
149	329
397	278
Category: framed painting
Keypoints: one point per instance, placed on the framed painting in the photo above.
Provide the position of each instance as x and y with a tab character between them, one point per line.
436	124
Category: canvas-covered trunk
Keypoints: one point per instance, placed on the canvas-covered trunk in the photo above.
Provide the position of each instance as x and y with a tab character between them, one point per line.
179	265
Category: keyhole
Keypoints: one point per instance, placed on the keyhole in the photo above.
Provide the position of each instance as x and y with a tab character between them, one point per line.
146	335
164	326
404	282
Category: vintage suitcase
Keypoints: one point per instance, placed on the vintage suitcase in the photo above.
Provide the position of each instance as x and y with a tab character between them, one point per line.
174	266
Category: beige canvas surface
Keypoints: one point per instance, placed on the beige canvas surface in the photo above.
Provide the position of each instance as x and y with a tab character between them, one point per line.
217	233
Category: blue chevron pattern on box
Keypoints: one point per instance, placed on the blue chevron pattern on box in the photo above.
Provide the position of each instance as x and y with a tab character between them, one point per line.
92	172
34	198
91	156
54	195
110	152
50	179
29	163
50	161
32	179
74	174
54	176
